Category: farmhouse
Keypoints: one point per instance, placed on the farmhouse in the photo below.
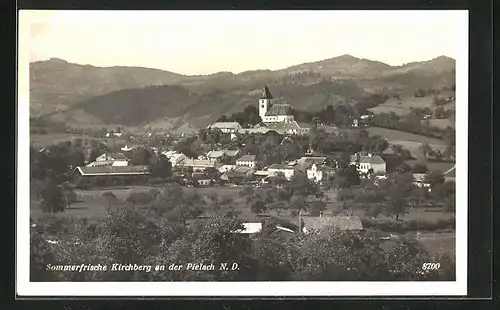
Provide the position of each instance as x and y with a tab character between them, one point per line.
226	127
113	171
306	162
175	158
419	180
366	163
291	128
216	155
198	164
247	160
344	223
237	175
319	173
116	159
286	170
111	157
250	228
204	182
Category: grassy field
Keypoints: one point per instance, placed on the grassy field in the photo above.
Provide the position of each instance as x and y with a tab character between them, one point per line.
408	140
438	243
403	106
438	166
392	105
441	123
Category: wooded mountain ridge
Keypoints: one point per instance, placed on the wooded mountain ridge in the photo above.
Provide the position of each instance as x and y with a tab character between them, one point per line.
84	95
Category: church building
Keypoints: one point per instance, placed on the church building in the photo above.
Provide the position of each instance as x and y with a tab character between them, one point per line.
273	112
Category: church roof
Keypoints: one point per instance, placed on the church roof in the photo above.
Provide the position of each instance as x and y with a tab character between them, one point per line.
266	94
279	109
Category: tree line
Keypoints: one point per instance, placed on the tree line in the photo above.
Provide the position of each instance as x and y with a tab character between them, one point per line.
159	232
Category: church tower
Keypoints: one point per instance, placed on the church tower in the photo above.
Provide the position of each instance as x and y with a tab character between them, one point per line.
264	101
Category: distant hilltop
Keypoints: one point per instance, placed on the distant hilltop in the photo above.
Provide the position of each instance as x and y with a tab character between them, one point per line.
86	95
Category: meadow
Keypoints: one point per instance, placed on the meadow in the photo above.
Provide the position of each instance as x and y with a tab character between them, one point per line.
393	105
409	141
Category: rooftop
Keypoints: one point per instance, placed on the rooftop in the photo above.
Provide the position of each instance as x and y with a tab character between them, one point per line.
113	170
368	159
220	153
450	173
279	166
345	223
225	125
306	162
279	109
198	162
266	94
247	158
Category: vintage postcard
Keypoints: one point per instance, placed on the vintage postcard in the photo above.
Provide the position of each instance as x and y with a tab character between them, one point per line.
242	153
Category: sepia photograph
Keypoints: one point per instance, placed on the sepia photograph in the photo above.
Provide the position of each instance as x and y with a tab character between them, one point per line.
242	153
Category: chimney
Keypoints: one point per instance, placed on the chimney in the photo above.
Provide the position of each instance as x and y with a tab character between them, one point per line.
320	213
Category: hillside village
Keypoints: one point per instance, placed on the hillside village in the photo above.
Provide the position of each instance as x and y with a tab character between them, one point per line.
272	168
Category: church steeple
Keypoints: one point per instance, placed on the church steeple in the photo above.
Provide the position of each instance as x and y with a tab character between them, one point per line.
266	94
264	101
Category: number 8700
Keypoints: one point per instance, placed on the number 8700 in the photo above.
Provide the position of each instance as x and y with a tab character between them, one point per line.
431	266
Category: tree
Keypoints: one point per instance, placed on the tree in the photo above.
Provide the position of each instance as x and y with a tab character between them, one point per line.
316	208
425	149
434	178
396	204
110	198
439	112
420	168
53	199
257	204
160	166
141	156
68	193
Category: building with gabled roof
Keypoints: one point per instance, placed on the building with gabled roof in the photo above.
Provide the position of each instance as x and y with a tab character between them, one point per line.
247	160
344	223
226	127
113	170
366	163
449	175
219	153
319	173
287	170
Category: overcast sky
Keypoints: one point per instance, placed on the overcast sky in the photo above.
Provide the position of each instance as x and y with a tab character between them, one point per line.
204	42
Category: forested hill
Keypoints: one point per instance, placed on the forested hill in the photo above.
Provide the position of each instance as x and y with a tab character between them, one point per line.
84	94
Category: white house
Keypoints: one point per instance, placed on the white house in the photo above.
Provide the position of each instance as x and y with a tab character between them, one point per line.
247	160
319	173
286	170
111	157
198	164
226	168
127	149
226	127
365	163
216	155
419	180
174	157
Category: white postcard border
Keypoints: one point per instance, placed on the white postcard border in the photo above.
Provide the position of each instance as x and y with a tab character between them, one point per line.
26	288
